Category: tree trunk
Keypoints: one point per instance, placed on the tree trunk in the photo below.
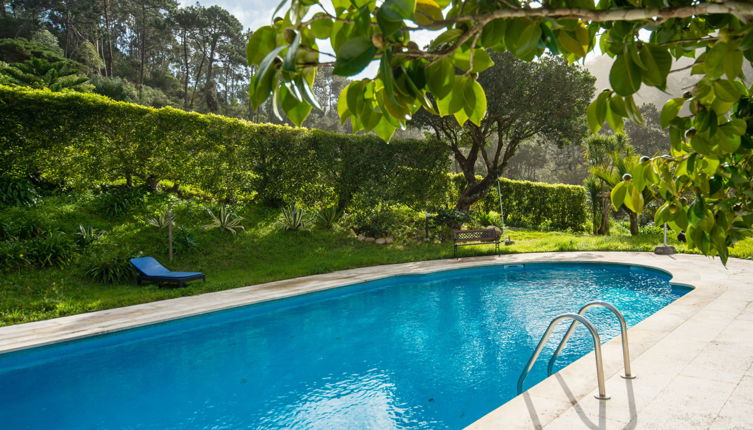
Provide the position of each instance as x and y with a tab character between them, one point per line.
108	30
605	205
187	72
210	89
475	191
142	50
633	223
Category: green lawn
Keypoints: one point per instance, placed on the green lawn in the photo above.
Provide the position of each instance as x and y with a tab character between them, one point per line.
264	252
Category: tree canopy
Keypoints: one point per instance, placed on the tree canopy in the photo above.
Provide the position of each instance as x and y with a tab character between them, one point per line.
540	101
705	180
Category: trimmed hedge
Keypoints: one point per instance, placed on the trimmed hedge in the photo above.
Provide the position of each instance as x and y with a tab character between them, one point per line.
536	204
83	140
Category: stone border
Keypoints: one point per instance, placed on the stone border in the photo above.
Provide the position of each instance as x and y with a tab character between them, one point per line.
533	409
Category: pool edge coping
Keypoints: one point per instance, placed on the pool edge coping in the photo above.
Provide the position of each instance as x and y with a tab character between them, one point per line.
73	327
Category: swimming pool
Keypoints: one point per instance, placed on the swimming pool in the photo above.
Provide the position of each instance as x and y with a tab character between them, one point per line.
428	351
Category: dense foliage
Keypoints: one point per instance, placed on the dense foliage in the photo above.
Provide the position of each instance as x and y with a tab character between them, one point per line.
542	102
83	140
535	204
705	179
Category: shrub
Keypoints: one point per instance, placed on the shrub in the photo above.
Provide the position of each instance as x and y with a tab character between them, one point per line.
161	221
54	249
86	139
384	220
109	268
485	219
536	204
12	254
30	226
85	236
327	217
225	220
118	202
184	241
449	218
17	192
293	217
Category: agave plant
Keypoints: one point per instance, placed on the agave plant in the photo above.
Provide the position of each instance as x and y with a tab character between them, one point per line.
161	221
87	235
292	217
226	220
327	217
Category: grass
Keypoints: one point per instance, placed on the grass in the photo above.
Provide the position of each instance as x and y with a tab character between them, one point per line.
264	252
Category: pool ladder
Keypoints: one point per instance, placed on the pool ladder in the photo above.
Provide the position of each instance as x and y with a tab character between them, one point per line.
579	318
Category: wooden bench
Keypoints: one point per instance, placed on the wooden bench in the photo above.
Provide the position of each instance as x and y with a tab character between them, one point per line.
481	236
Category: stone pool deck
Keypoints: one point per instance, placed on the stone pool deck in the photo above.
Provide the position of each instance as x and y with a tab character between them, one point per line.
693	359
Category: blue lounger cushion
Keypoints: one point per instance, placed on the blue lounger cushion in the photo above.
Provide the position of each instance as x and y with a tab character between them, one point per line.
151	270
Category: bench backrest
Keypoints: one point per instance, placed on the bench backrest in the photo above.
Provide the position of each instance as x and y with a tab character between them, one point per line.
148	266
476	235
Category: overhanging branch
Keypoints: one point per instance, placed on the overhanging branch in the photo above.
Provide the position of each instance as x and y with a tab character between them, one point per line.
740	9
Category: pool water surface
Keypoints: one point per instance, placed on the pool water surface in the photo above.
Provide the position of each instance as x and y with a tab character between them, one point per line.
410	352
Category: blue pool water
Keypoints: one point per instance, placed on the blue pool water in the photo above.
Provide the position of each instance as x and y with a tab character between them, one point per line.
420	352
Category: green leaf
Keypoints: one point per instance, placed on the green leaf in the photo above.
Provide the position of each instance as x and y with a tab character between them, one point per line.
657	62
634	198
493	34
528	39
726	90
670	110
353	56
617	105
440	77
662	214
566	41
385	129
632	110
738	126
448	36
593	123
481	60
714	60
478	109
289	63
342	104
322	27
305	91
727	140
402	8
733	64
618	194
295	109
625	76
427	11
261	42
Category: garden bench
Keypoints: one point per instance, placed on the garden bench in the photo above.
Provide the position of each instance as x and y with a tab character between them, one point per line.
481	236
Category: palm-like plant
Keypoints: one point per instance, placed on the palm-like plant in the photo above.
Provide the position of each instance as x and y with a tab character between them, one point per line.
162	220
225	219
612	174
40	73
87	235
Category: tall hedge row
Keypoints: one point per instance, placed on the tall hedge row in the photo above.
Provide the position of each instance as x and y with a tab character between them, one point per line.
83	140
537	204
86	139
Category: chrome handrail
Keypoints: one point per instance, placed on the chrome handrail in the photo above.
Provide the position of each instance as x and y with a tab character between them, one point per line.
623	330
597	351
